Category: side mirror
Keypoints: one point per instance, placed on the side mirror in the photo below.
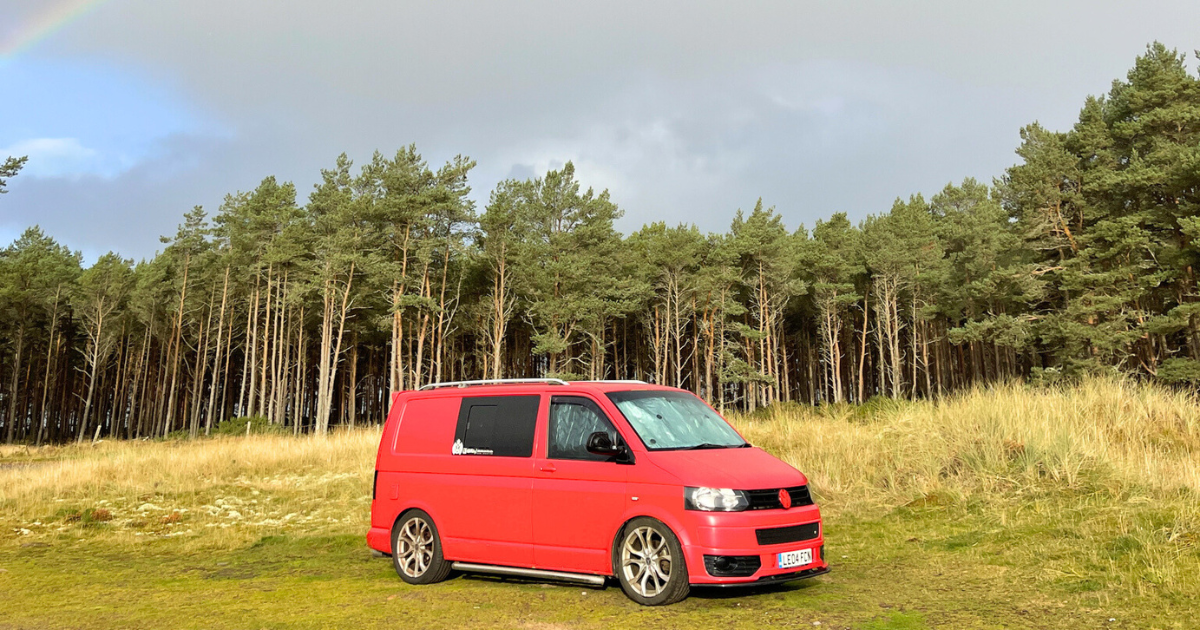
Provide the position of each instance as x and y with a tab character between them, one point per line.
599	443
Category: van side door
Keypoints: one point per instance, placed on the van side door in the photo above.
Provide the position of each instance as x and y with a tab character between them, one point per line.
487	488
578	497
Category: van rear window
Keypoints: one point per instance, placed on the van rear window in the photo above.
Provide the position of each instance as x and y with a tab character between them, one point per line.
496	425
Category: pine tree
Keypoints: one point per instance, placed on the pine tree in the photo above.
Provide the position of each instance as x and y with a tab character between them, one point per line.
985	285
574	284
902	254
670	259
343	252
1152	120
832	258
769	258
505	228
35	272
99	301
9	169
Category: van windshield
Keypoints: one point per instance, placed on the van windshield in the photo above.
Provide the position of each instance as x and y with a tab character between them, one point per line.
675	421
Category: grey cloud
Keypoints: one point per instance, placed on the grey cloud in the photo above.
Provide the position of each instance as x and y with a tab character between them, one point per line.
685	111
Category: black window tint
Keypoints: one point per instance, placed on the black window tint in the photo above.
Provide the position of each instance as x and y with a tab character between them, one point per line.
481	423
572	420
496	425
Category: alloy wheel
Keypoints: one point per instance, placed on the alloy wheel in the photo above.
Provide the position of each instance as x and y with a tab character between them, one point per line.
646	561
415	551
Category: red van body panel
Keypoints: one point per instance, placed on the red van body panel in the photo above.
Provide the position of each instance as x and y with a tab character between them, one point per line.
563	514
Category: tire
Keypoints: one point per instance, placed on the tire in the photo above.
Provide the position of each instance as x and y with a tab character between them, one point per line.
417	549
664	578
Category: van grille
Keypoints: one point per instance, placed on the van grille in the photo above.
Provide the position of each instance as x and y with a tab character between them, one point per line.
769	499
794	533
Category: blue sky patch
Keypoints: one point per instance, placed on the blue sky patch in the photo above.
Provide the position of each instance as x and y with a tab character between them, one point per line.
76	118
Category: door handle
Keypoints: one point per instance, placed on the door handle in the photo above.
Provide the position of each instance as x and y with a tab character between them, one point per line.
547	468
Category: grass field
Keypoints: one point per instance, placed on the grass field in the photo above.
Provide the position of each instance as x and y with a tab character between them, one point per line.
1014	507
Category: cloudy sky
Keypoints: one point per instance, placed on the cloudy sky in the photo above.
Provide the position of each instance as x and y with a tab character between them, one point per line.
133	111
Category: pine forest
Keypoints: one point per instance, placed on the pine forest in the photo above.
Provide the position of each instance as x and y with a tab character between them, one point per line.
305	310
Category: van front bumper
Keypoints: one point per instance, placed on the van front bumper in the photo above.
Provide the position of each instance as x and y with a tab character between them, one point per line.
737	541
768	580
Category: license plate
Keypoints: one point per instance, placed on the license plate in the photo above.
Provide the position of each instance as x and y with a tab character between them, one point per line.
789	559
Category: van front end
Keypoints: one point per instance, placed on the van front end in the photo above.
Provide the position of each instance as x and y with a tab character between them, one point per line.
756	547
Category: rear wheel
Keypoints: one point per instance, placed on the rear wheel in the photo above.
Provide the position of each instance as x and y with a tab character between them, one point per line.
650	565
417	549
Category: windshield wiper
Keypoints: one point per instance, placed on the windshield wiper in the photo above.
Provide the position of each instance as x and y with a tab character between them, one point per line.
707	445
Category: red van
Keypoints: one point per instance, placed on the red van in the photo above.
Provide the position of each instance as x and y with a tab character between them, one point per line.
581	481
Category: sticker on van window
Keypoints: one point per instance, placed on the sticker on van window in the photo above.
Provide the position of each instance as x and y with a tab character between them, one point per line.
459	449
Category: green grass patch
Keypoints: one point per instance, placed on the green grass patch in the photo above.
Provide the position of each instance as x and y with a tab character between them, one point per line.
897	621
911	568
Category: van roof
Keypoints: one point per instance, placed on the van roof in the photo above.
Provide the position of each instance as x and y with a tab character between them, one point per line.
539	385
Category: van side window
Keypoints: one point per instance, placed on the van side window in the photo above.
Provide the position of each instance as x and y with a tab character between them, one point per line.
496	425
481	425
572	420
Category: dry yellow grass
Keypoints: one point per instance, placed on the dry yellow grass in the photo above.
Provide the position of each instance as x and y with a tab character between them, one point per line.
1094	483
990	439
993	444
983	439
219	492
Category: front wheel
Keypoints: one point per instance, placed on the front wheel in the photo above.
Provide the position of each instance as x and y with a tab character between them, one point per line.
650	564
417	549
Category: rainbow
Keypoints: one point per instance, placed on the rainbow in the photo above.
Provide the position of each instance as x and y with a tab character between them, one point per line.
46	22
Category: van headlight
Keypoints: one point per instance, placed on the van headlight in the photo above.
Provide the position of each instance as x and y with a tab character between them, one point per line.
715	500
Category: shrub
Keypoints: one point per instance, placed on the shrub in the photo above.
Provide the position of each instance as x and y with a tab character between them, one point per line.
88	517
256	425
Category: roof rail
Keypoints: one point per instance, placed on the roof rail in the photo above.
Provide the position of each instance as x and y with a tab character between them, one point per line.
628	381
496	381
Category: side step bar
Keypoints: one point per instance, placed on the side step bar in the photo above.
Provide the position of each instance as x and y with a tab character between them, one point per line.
582	578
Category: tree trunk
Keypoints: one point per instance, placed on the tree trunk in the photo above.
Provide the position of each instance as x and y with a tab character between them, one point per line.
331	345
218	372
44	413
93	360
352	385
260	406
250	358
177	339
16	374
